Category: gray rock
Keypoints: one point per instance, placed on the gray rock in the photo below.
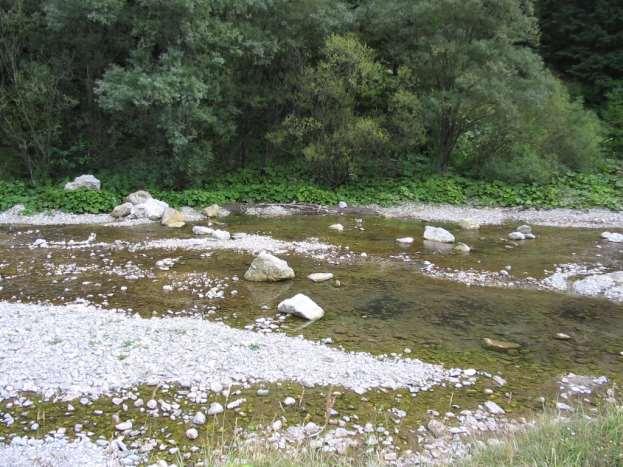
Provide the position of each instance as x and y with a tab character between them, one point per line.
151	209
302	306
493	408
516	236
342	205
320	276
469	224
215	409
138	197
524	229
437	234
123	210
215	211
437	428
123	426
612	237
268	268
192	433
199	418
405	240
462	248
337	227
85	182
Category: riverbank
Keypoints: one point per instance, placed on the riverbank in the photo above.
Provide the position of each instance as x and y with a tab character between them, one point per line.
444	213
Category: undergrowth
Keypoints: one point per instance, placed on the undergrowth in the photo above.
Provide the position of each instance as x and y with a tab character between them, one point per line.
603	190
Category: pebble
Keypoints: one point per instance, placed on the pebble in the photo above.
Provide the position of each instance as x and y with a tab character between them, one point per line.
192	433
288	401
199	418
123	426
152	404
215	408
493	408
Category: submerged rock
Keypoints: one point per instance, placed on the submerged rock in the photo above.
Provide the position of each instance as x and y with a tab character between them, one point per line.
516	236
302	306
215	211
437	234
462	248
469	224
85	182
320	276
524	229
405	240
268	268
212	233
501	346
173	218
337	227
612	237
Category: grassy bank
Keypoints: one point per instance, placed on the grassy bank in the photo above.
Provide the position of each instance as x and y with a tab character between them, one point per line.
604	190
580	442
577	442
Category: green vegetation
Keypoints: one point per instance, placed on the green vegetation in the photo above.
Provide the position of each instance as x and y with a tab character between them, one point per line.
578	442
362	96
286	186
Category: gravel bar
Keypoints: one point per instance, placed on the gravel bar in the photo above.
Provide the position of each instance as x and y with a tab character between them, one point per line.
75	350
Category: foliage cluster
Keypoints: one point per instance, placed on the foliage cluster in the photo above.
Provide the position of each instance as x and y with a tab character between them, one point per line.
572	190
347	90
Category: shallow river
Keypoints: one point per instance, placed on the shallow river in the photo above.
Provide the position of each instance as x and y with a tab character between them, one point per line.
384	300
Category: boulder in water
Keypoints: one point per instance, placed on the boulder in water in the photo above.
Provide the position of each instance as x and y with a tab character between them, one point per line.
437	234
612	237
302	306
469	224
500	346
138	197
268	268
173	218
151	209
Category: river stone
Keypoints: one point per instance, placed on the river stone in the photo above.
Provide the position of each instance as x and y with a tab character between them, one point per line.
337	227
151	209
192	433
562	336
215	211
215	409
138	197
469	224
493	408
437	234
123	426
212	233
612	237
173	218
516	236
268	268
501	346
437	428
302	306
320	276
85	182
123	210
524	229
199	418
342	205
405	240
462	248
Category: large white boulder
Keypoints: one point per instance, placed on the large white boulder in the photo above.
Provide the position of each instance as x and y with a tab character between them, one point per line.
612	237
138	197
86	182
609	285
268	268
302	306
437	234
151	209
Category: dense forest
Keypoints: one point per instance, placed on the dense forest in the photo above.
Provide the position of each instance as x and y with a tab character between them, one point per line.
177	92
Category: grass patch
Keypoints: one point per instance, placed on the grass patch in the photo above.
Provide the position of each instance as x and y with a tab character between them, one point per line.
577	442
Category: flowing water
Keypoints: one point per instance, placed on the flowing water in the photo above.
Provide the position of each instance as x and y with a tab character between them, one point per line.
383	303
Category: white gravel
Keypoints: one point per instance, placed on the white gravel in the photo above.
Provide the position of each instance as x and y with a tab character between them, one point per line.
592	218
13	216
77	350
53	452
